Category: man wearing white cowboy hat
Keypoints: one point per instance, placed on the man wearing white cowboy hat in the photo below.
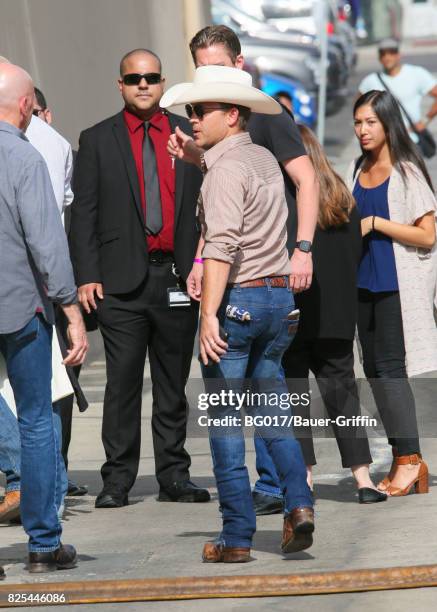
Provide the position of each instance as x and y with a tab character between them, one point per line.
246	290
219	45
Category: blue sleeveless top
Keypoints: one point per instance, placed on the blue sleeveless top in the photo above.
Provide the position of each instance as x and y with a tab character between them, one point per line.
377	269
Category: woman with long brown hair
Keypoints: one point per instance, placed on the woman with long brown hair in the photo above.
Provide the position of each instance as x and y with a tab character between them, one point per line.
397	278
324	340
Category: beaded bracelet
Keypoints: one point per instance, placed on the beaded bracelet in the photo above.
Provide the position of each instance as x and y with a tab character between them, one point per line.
198	260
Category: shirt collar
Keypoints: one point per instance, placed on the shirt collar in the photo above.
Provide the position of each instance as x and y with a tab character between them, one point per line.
134	123
222	147
8	127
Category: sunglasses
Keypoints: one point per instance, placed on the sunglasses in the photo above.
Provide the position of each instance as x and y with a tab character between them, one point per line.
200	109
151	78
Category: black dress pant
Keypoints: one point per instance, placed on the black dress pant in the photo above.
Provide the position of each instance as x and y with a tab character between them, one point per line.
382	341
130	325
332	363
66	414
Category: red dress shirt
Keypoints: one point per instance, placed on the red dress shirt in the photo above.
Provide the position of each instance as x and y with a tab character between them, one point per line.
159	132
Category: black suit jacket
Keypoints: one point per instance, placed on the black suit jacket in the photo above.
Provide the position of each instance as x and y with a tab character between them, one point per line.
107	235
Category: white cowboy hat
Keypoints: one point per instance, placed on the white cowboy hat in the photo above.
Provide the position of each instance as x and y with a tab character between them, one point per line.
221	84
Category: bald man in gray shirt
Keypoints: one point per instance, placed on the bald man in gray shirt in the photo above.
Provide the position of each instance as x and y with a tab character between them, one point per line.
35	271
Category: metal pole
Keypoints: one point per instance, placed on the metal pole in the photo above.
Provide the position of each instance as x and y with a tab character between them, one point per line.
323	40
210	587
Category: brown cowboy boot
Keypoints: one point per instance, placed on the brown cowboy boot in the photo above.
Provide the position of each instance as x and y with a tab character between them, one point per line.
298	530
217	553
10	508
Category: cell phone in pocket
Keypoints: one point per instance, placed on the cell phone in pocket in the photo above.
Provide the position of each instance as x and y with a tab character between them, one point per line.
293	321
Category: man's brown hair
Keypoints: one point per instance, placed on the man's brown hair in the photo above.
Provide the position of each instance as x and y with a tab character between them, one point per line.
216	35
243	113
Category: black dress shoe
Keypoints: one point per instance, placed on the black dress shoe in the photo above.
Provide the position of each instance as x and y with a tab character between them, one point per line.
75	490
366	495
183	491
111	497
266	504
2	573
65	557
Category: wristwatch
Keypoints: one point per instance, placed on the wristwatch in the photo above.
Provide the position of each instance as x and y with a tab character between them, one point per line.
304	246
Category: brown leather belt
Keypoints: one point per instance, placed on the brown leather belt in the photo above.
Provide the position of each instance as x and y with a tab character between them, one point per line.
273	281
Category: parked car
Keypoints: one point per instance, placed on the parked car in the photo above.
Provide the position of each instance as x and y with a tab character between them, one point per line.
300	64
291	16
283	55
232	14
304	104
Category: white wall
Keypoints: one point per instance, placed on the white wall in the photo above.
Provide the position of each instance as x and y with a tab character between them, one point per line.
72	48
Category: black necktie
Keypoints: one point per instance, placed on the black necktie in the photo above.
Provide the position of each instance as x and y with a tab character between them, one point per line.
151	185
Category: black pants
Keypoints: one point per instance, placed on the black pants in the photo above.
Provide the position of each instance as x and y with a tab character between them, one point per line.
332	363
382	341
66	413
130	325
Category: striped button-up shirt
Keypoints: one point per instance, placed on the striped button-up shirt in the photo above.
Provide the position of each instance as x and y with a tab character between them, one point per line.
243	211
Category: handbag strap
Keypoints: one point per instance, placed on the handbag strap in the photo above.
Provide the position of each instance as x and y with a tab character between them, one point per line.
387	88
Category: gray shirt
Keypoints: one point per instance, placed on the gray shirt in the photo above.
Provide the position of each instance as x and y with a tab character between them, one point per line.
35	266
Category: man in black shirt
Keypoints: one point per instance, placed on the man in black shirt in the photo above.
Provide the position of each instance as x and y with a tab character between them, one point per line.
279	134
219	45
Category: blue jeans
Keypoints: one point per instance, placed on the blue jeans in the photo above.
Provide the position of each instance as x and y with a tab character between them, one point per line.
28	355
268	481
10	453
254	354
62	481
9	447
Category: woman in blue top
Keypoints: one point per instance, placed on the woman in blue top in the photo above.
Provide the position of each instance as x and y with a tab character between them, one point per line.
388	152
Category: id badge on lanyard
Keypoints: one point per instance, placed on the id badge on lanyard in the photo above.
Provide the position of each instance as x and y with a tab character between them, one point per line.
177	297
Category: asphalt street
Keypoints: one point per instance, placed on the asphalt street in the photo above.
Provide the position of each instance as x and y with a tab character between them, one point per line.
149	539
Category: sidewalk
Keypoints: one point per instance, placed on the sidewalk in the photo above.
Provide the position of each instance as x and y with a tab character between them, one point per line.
151	539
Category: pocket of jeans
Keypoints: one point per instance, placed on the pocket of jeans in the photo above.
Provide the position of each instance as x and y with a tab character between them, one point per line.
238	333
283	338
27	334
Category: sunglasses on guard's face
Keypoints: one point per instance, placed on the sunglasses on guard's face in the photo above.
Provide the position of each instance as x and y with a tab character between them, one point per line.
151	78
201	109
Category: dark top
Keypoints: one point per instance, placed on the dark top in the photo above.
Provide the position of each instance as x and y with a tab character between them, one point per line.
377	270
280	135
159	132
328	309
107	232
